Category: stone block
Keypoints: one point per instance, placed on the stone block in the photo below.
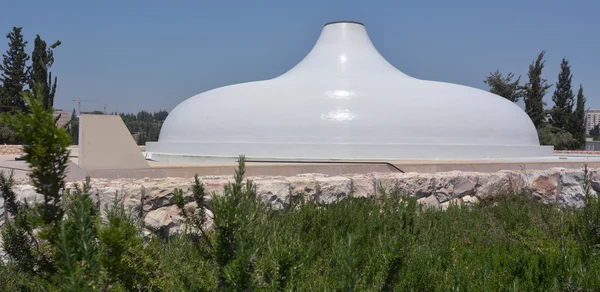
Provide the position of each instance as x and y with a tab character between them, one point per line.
333	189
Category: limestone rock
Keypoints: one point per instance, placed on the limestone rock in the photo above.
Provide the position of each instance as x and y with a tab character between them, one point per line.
544	184
165	220
160	194
464	186
363	186
594	176
27	193
490	185
387	182
442	186
418	185
214	186
572	192
274	192
456	201
430	202
208	215
302	185
332	189
470	200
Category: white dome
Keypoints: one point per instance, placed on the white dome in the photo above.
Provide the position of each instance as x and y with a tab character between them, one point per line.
345	101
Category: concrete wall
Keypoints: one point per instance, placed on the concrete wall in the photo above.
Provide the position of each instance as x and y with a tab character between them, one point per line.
105	143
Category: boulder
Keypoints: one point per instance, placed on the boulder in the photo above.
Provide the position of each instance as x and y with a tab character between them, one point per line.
165	221
572	191
470	200
420	185
275	193
430	202
545	184
456	201
363	186
387	182
333	189
303	185
464	186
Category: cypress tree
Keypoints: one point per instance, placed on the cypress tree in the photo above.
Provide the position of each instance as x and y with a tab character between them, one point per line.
578	120
504	86
14	72
74	128
535	90
563	98
42	60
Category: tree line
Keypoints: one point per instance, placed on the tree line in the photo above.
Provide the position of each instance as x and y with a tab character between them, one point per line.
562	125
143	126
21	72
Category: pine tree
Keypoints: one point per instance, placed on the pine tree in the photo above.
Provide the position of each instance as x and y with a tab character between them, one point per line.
535	90
578	120
42	60
563	98
504	87
14	72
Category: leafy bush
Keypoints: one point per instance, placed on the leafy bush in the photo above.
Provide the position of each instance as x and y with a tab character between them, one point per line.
9	137
559	138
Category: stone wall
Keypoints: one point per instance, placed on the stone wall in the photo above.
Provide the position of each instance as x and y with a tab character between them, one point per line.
11	150
152	199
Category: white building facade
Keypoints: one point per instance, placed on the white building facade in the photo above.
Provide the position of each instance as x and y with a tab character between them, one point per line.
592	118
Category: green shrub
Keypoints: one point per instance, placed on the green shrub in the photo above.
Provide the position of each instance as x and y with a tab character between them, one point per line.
559	138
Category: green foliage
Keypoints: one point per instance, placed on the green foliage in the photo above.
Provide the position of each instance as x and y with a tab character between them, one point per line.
67	253
45	148
42	59
14	72
195	218
77	257
184	265
561	139
563	98
121	250
578	120
144	126
47	156
235	215
595	131
8	136
73	128
504	86
535	90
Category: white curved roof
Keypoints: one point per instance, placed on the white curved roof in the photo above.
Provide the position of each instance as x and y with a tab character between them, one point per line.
345	101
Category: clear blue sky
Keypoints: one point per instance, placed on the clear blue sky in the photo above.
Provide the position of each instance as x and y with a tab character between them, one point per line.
134	55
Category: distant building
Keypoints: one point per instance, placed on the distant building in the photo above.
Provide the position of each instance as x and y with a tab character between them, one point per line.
592	118
64	119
